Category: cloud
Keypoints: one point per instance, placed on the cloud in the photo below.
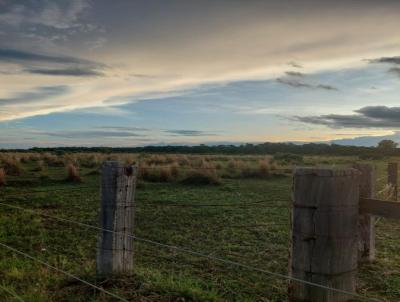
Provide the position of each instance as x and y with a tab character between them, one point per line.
52	14
294	64
81	72
395	70
37	94
45	64
189	133
295	74
18	56
300	84
390	60
365	117
123	128
89	134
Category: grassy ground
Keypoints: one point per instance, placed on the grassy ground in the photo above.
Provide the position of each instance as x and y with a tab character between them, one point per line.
244	220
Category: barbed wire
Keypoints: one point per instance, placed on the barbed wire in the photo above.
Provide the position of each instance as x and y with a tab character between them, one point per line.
268	170
199	254
62	271
17	194
194	205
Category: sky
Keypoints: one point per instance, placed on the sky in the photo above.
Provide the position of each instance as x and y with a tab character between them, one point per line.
147	72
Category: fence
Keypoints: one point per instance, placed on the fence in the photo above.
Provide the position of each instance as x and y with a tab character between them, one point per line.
333	219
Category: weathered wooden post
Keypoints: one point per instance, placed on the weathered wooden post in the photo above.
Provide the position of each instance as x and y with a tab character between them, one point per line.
115	250
324	233
392	179
366	223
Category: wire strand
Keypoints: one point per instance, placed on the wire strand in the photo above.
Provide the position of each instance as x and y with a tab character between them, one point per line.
239	205
203	255
62	271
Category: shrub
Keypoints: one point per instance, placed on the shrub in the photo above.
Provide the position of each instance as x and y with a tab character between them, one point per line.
196	177
2	177
52	160
89	161
288	157
40	166
175	170
182	160
264	168
12	166
165	174
154	174
73	173
370	156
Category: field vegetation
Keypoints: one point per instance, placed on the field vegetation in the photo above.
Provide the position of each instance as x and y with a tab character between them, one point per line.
236	207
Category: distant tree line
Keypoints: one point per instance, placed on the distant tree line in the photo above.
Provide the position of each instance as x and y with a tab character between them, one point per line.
384	148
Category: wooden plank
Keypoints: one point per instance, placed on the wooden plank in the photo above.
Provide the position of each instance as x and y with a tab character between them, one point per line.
382	208
366	222
115	250
324	246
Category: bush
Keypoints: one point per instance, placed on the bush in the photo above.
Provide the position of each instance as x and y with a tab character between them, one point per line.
288	157
52	160
165	174
156	174
2	177
89	161
175	170
73	174
209	177
40	166
371	156
262	171
12	166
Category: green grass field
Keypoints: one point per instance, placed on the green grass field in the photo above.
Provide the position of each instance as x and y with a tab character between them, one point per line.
243	219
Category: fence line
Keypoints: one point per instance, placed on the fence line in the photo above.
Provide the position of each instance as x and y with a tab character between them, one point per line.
48	191
187	251
238	205
62	271
11	293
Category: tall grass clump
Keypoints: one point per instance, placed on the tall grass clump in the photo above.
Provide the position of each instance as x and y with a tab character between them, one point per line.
2	177
73	173
153	173
53	160
40	166
288	158
202	177
12	166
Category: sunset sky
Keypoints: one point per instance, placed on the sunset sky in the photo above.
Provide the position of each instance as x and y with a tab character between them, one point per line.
129	73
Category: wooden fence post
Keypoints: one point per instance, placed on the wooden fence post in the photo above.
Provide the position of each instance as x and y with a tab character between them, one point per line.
324	233
115	251
366	223
392	179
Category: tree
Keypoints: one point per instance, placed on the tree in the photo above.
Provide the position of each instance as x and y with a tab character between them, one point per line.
387	146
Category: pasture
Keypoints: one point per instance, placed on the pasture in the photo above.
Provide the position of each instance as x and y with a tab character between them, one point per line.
230	207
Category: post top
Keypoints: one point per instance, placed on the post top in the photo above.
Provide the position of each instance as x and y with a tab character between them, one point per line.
326	171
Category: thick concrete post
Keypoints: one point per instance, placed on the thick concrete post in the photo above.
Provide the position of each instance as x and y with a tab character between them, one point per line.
115	250
324	247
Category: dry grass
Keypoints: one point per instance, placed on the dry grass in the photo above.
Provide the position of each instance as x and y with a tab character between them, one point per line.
202	177
73	173
12	165
2	177
41	166
387	193
153	173
53	160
